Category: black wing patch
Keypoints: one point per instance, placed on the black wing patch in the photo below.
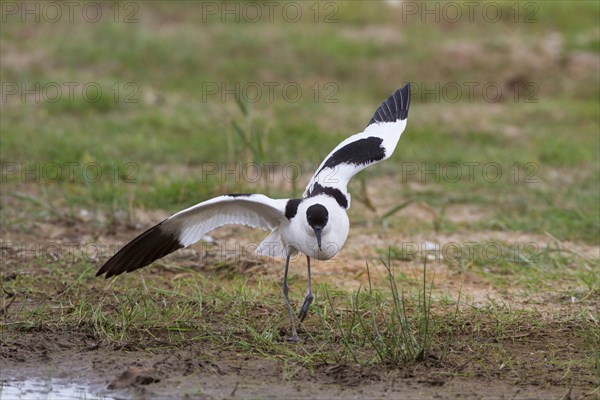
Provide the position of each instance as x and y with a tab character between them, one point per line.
361	152
394	108
337	194
291	208
151	245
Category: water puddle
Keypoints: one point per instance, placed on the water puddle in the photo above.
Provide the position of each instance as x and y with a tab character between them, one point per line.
51	389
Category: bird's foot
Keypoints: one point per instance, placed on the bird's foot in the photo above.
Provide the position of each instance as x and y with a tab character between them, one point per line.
293	339
290	335
304	309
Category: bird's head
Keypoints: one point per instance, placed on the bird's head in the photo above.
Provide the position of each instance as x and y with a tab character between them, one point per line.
317	217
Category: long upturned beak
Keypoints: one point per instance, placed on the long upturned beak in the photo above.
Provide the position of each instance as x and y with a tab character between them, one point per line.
318	231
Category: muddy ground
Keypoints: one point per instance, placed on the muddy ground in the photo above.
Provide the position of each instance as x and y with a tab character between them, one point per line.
203	372
549	359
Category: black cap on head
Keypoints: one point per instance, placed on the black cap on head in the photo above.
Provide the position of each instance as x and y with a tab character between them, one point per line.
317	216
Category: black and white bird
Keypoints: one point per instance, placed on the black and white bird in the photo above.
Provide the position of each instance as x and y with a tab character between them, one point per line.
315	225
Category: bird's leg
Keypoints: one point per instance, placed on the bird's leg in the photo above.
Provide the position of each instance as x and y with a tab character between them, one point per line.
294	334
309	296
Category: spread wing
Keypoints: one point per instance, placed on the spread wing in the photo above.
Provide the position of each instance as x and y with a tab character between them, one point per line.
188	226
375	144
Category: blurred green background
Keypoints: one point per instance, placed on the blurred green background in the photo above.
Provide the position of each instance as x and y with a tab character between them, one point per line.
160	120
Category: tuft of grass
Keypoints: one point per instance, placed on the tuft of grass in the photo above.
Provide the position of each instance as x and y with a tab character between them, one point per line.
401	339
397	330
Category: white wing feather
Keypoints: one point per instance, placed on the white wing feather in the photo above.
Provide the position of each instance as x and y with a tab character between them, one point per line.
339	175
256	211
375	144
188	226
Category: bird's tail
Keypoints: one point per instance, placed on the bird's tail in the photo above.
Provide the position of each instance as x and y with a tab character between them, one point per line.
272	246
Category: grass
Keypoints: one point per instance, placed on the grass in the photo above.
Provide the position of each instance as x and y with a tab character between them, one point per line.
401	326
166	142
399	340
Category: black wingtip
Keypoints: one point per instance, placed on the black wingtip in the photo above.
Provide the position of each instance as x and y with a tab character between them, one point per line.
394	108
151	245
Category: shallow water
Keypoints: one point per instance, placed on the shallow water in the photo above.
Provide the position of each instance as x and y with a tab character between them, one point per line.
51	389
